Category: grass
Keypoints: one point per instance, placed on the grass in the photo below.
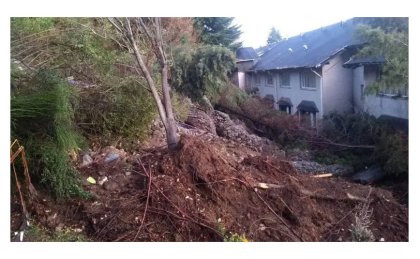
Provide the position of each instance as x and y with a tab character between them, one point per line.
43	119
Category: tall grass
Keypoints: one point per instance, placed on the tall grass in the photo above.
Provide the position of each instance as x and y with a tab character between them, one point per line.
42	117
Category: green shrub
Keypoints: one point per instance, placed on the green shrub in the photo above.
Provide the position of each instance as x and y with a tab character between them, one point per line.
201	71
123	111
391	151
232	97
31	25
391	146
42	118
181	106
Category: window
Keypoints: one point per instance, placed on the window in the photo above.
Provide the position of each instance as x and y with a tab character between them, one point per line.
307	80
285	79
269	79
257	79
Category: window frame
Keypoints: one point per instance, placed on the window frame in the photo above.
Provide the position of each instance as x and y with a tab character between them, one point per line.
257	79
267	75
281	80
306	75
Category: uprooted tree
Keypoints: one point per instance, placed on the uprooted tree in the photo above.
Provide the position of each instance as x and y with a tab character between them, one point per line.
131	31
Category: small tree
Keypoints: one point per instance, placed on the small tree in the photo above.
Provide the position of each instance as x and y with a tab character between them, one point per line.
274	36
151	29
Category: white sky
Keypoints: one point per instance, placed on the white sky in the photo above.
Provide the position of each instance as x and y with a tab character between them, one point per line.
255	30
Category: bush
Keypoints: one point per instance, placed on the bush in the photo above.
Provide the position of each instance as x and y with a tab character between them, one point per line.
42	117
201	71
391	151
391	146
232	98
123	111
181	106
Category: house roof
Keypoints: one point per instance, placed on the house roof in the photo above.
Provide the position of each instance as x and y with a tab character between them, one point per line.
261	50
269	98
309	49
355	62
284	101
307	106
246	53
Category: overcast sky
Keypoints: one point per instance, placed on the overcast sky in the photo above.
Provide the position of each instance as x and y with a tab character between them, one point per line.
255	30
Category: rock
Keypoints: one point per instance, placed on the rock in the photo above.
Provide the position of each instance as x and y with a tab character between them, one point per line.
372	175
87	160
110	154
297	154
206	104
111	157
111	186
238	132
102	180
199	119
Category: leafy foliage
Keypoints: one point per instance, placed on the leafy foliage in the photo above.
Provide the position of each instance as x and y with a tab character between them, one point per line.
123	111
274	36
31	25
115	104
218	31
389	40
202	71
391	145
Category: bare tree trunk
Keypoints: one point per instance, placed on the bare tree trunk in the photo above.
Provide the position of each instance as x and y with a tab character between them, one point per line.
171	135
165	108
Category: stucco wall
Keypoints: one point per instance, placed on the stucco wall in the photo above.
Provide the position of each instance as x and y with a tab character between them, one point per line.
245	65
358	88
382	105
294	91
374	104
241	80
337	85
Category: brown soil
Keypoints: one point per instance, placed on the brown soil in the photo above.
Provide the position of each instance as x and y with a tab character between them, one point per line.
209	189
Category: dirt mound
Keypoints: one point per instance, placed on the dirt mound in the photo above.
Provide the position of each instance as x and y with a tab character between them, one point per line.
203	192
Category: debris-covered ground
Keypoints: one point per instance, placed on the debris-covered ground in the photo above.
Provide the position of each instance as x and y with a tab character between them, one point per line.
215	189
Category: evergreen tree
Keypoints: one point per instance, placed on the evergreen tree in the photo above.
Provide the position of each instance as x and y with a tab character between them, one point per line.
218	31
274	36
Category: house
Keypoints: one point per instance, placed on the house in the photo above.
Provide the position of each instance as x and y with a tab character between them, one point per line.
246	58
313	74
390	104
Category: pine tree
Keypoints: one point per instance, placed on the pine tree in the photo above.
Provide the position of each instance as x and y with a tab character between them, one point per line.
274	36
218	31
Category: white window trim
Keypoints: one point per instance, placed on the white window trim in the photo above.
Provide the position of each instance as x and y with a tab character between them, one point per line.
281	85
259	77
306	88
266	81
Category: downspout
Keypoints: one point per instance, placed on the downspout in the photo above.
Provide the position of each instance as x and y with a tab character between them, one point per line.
275	87
320	90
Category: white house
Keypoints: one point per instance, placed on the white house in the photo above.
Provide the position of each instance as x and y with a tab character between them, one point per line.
312	74
391	103
246	58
